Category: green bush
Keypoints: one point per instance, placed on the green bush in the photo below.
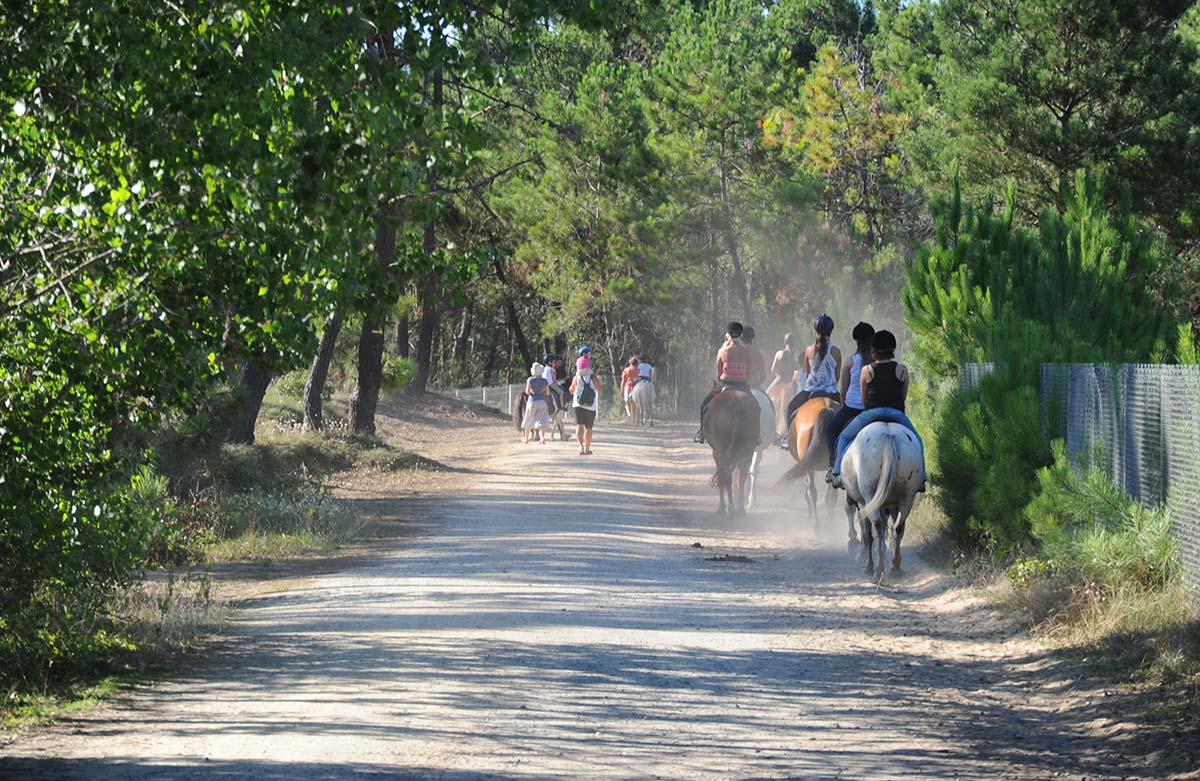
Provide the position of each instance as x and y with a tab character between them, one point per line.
397	372
1090	527
989	445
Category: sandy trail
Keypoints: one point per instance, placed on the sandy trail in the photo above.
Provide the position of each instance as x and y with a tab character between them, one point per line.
556	622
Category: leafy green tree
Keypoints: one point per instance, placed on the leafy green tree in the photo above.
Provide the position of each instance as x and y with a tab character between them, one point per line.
1033	90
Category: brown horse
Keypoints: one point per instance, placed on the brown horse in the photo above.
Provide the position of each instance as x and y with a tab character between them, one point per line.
807	444
731	428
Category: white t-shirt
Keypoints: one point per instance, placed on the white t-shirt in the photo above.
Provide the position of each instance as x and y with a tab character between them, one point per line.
644	370
579	380
549	375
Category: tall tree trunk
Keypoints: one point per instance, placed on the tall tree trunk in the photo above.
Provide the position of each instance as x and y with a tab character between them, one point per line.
738	278
318	373
428	324
253	387
365	398
462	343
514	323
489	362
560	345
429	292
402	337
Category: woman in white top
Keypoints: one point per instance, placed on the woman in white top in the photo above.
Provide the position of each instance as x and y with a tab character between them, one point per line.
823	362
851	387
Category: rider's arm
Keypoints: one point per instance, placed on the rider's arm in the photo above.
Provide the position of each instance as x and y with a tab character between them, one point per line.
868	374
775	363
844	382
837	361
902	375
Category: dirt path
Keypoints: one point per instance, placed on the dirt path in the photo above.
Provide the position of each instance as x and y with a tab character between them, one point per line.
557	622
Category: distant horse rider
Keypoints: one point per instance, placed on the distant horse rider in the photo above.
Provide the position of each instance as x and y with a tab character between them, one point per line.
735	364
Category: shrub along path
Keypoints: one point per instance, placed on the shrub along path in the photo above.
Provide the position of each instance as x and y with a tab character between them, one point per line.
556	620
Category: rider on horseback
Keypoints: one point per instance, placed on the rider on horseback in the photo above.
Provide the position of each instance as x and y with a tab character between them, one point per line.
736	369
629	378
758	368
823	363
645	369
850	386
884	386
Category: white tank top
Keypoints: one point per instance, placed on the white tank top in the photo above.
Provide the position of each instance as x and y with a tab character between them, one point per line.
854	397
822	376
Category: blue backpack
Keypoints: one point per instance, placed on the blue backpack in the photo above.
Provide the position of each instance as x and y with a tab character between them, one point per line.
585	393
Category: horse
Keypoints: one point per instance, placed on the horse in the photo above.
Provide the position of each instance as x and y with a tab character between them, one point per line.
642	400
731	428
766	435
807	442
882	471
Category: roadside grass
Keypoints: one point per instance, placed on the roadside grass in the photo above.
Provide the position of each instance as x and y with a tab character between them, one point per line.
213	503
1108	594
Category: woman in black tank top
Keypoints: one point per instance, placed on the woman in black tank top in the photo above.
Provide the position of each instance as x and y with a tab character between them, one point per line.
885	388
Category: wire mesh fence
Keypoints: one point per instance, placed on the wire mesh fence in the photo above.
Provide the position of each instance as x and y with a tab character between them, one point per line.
1139	423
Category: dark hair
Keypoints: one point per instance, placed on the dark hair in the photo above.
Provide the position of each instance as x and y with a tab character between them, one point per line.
734	329
748	333
863	334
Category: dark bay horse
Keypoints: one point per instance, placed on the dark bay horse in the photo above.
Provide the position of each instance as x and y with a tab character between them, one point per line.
731	428
807	444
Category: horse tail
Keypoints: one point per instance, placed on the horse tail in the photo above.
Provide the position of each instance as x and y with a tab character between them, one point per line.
887	477
808	462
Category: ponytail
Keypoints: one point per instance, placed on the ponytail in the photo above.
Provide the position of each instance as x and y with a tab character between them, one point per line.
822	345
864	349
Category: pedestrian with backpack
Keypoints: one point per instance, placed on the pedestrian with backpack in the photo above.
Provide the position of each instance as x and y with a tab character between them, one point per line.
585	398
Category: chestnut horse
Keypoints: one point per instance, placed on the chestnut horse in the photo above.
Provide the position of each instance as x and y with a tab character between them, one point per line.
731	428
807	444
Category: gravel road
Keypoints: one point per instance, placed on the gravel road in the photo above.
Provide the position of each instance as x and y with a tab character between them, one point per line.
558	621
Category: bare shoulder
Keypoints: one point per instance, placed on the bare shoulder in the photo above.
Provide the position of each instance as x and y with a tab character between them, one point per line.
901	372
868	371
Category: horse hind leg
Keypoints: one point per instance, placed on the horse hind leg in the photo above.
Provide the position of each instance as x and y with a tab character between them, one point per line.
852	546
810	498
898	525
866	529
880	524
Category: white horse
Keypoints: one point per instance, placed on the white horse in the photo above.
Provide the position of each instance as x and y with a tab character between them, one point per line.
643	398
883	471
766	436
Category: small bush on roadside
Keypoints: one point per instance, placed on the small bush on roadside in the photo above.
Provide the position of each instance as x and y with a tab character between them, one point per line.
397	372
1090	526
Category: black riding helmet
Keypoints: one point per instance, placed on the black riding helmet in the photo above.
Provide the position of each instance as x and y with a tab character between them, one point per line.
748	333
549	359
863	332
883	342
823	324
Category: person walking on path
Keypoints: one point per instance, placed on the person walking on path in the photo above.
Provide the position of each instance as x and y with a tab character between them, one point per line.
537	411
585	398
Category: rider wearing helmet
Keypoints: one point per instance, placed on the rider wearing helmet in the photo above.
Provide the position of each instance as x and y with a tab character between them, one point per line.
884	388
734	364
850	387
822	365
